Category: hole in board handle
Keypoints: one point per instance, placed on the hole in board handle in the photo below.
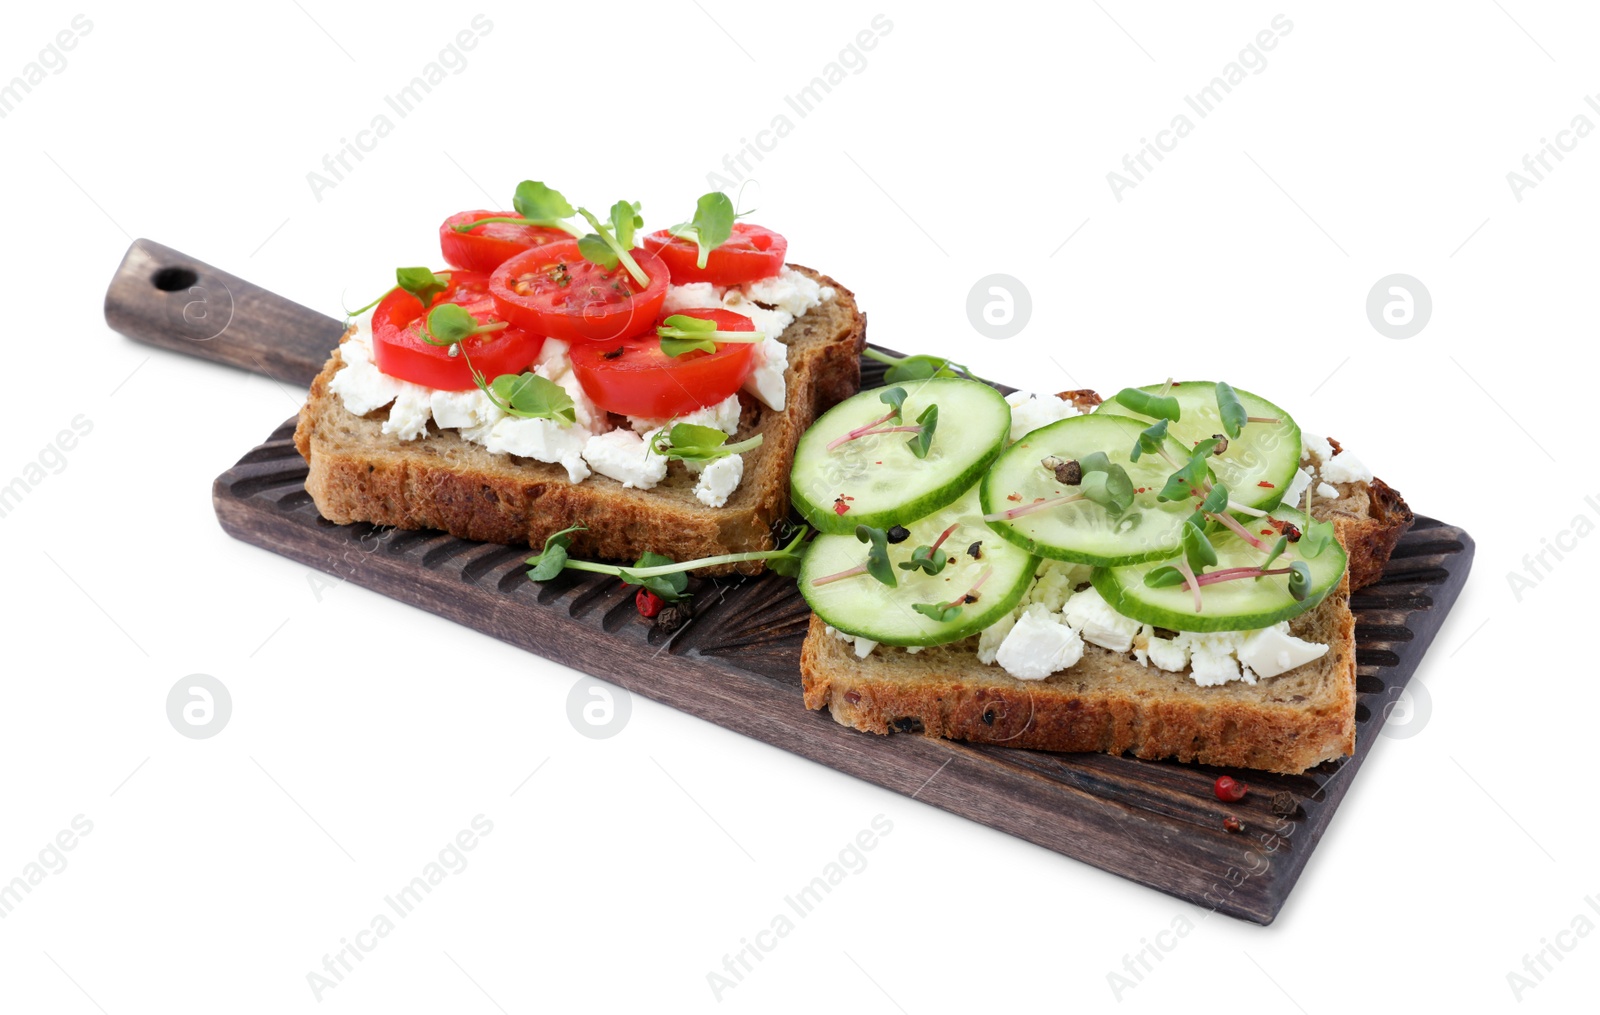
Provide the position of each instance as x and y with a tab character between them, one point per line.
171	280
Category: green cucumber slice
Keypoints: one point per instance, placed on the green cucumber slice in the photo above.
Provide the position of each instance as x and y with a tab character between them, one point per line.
1243	605
1084	532
1263	453
861	605
876	479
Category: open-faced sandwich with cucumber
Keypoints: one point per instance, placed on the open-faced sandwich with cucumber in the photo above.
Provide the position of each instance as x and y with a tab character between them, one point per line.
569	371
1165	573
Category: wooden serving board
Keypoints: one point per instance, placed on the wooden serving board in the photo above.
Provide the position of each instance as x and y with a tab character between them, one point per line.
736	663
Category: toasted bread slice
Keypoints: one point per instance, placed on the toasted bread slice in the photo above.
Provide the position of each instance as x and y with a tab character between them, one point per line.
1107	701
361	474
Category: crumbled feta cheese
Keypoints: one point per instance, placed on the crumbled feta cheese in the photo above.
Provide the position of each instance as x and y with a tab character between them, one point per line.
1170	654
1297	488
788	291
1029	412
1326	492
863	646
1038	645
1273	650
1346	468
1315	449
359	383
553	360
718	480
1098	623
543	441
1053	584
463	409
724	416
409	415
626	457
692	296
766	381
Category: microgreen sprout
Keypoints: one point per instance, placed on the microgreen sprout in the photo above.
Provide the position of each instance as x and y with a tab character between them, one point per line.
690	442
1274	553
423	283
711	226
1099	481
928	558
877	564
610	242
1191	479
943	613
1316	538
449	323
917	368
681	333
536	205
529	396
553	559
1162	406
895	398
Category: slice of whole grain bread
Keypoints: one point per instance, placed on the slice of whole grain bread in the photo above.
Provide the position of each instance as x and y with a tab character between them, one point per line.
1107	701
360	474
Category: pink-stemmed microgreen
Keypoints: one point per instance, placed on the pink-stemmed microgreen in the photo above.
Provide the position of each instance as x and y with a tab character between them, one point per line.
660	574
943	613
536	205
681	333
928	558
876	565
1096	477
895	398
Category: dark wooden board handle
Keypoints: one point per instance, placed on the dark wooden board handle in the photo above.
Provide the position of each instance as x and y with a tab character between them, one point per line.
167	298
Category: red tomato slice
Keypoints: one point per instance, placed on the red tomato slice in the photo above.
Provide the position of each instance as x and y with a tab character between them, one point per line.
635	378
752	252
551	290
491	244
401	351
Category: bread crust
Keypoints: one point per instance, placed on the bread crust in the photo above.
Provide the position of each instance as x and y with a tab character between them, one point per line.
1108	702
360	474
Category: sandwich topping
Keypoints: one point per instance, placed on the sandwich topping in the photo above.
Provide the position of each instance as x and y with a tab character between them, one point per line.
574	346
1113	528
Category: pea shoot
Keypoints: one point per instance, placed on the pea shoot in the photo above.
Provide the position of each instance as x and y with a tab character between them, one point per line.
610	242
681	333
536	205
917	368
710	227
660	574
690	442
423	283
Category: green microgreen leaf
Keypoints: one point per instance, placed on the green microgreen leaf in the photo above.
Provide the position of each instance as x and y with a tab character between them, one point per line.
941	613
922	440
1146	404
596	250
1164	577
671	586
1152	441
711	226
1316	538
550	561
1111	488
1274	553
691	442
1299	580
608	245
1197	549
449	323
878	555
682	333
917	368
785	561
423	283
1232	410
894	398
1095	461
1216	501
541	205
926	558
529	396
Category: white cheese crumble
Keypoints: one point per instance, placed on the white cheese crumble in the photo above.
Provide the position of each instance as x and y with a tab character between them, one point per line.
626	457
1029	412
1346	468
1099	623
1298	484
1038	645
718	480
863	646
724	416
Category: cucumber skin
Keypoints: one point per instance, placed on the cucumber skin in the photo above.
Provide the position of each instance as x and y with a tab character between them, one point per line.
1270	499
953	632
824	519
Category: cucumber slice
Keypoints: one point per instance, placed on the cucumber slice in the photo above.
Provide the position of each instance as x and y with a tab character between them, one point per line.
862	605
1243	605
1263	453
1083	531
876	479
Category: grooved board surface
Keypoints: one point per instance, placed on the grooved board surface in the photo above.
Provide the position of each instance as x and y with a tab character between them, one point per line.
737	664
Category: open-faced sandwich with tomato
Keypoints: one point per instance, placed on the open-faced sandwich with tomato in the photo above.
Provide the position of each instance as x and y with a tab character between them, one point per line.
650	388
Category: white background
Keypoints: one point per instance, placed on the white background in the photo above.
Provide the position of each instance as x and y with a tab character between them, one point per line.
366	734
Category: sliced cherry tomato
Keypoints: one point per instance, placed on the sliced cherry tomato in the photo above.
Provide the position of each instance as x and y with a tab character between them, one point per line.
635	378
490	245
551	290
401	351
752	252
